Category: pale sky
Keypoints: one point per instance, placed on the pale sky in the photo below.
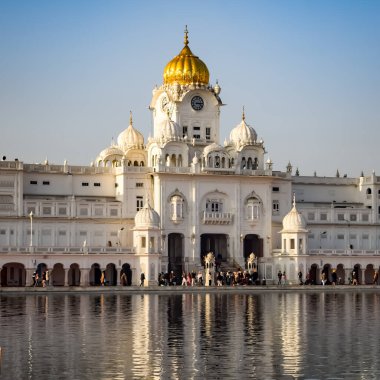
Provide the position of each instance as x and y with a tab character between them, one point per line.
307	72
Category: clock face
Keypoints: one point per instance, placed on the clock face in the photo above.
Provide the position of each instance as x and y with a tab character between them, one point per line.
197	103
164	103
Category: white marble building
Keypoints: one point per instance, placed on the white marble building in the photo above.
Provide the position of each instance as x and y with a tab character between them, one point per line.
163	204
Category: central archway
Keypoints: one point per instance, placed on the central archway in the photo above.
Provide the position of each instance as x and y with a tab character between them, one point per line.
253	244
217	244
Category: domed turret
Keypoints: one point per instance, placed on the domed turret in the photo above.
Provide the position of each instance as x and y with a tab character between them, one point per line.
112	151
243	133
186	68
130	137
212	148
169	129
147	217
294	221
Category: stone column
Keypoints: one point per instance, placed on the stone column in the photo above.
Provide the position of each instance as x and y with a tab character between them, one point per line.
135	278
118	274
85	277
29	277
66	280
362	280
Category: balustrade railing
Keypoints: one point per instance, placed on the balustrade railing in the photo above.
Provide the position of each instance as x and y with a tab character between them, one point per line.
65	250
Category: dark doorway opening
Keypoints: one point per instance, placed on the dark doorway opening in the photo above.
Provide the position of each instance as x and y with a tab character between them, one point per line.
175	252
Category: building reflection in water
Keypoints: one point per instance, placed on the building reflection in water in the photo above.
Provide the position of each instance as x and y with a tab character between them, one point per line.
190	335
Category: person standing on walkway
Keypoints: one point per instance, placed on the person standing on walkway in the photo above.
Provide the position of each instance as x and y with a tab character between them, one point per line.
375	277
184	279
142	279
279	275
300	278
354	278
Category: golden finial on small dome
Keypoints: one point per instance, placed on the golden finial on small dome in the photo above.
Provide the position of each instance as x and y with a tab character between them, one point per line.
130	118
243	115
186	39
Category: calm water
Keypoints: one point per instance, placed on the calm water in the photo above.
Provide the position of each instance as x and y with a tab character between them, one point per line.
191	336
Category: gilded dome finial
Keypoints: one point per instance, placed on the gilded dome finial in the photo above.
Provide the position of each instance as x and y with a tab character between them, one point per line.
294	199
243	115
186	39
130	118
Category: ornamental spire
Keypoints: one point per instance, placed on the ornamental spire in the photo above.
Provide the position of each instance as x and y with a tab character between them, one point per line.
294	199
186	39
130	118
243	115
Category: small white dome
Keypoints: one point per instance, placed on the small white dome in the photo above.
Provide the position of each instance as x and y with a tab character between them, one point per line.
294	221
243	133
130	137
111	151
214	147
170	129
147	217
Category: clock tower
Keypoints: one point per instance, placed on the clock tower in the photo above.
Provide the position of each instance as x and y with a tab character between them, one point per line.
187	99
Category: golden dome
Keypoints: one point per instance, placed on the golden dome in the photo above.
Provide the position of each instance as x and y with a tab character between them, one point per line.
186	68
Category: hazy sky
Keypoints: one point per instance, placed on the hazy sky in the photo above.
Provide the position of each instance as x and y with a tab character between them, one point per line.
307	72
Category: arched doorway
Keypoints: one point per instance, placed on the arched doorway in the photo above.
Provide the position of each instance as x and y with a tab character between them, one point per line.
58	275
358	273
95	274
126	268
74	275
41	268
368	274
111	274
340	272
314	274
13	274
41	271
252	244
175	253
327	272
217	244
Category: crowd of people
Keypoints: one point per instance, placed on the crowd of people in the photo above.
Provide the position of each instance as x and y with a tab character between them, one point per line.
41	280
220	278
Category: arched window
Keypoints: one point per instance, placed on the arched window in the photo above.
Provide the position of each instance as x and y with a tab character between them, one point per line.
135	163
249	163
176	208
243	163
255	163
214	205
223	162
141	163
253	209
217	162
369	191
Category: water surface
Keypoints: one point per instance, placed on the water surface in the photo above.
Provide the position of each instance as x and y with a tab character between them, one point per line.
191	336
